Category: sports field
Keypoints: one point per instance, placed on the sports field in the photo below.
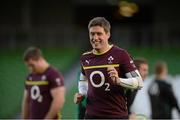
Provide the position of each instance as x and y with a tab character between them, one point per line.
13	72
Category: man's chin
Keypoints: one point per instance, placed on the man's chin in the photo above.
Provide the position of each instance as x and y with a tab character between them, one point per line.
96	48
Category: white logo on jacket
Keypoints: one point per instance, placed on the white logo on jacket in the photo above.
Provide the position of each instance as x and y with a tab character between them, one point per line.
110	59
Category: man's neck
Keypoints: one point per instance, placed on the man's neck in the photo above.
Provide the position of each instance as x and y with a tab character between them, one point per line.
160	77
44	66
104	50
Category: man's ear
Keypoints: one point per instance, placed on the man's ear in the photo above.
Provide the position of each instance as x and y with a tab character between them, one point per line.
109	35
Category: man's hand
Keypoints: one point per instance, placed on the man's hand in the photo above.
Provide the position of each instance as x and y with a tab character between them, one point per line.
113	74
78	98
132	116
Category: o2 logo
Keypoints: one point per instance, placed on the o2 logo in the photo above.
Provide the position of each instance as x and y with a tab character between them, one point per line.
35	94
102	79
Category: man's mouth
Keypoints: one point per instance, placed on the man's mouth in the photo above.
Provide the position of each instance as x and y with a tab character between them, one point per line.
96	42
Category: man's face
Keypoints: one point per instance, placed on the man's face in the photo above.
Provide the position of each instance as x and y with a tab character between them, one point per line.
164	72
98	37
32	65
143	69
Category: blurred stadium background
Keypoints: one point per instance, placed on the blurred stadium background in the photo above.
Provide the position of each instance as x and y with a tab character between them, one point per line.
146	28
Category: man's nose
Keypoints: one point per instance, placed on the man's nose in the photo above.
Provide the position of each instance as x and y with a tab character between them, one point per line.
95	37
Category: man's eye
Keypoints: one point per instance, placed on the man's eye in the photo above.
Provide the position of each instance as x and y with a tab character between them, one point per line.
99	34
92	34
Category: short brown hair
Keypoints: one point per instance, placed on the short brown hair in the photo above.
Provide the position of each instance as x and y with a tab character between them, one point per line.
33	53
100	21
139	61
160	66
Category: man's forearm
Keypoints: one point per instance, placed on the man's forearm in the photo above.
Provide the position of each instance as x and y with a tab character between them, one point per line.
83	87
25	106
25	111
133	80
54	109
131	83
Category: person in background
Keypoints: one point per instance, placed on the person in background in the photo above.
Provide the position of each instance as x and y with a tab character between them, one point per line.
44	88
143	67
161	94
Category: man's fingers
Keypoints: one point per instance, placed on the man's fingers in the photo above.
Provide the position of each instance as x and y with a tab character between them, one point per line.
112	72
78	98
75	98
110	68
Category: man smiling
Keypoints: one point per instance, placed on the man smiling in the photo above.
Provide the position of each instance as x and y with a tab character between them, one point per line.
106	75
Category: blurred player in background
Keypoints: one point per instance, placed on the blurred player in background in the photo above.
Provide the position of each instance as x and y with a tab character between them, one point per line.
161	94
44	88
106	72
142	66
